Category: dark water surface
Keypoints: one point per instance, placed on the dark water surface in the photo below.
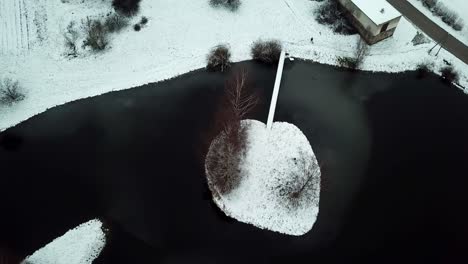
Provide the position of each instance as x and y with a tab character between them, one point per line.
393	149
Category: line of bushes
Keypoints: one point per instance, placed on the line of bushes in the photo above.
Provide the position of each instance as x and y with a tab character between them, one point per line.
264	51
449	17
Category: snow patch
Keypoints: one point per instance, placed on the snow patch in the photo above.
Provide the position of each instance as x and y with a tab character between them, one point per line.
272	161
80	245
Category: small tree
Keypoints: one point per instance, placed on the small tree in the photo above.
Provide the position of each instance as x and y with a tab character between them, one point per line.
228	148
96	34
219	58
355	62
266	51
10	92
301	185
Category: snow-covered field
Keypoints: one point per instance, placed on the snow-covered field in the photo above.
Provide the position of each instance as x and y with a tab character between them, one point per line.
175	41
276	161
80	245
458	6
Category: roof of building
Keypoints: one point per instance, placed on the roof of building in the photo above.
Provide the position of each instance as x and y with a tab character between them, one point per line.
379	11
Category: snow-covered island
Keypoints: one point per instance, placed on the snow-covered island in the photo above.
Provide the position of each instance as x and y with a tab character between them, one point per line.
279	185
80	245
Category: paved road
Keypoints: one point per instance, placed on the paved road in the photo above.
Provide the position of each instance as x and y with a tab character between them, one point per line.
434	31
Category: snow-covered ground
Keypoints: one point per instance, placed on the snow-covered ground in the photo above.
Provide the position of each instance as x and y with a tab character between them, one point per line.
80	245
175	41
276	161
458	6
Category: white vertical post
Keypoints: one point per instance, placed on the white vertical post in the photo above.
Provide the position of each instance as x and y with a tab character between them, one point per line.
274	98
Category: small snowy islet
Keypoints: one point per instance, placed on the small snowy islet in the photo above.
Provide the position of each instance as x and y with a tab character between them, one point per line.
268	163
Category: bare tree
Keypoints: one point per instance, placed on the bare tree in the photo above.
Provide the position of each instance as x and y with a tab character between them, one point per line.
228	148
96	34
219	58
362	51
301	186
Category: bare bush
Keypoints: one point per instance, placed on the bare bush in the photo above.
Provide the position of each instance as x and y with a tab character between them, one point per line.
332	14
347	62
232	5
449	75
355	62
115	22
266	51
143	20
419	39
126	7
228	149
362	51
302	184
429	3
423	69
71	36
10	92
96	34
219	58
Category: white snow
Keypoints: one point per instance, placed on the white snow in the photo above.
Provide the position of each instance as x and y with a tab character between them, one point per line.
176	40
379	11
80	245
267	166
458	6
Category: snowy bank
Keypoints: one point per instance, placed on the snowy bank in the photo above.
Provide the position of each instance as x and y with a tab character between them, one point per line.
80	245
275	162
457	6
176	40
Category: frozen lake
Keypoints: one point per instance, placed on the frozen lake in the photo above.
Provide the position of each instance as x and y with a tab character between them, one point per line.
394	150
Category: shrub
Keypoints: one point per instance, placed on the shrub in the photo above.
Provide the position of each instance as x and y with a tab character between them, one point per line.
219	58
429	3
266	51
232	5
356	61
126	7
419	39
347	62
137	27
96	35
449	75
115	22
144	20
71	36
331	13
10	92
423	69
